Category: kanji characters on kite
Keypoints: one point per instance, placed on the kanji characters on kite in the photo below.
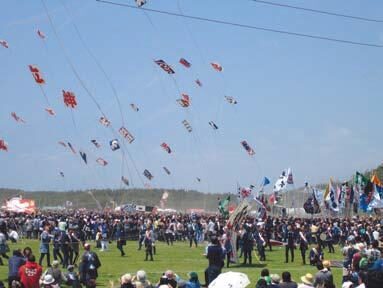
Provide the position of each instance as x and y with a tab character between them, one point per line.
247	147
167	171
216	66
62	144
84	157
50	111
187	126
126	134
184	101
198	82
185	63
140	3
17	118
40	34
4	43
148	175
3	145
134	107
104	121
166	147
71	148
231	100
114	144
213	125
36	74
69	99
165	66
125	180
95	143
101	161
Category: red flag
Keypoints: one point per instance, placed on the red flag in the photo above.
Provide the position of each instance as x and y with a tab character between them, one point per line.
40	34
3	145
216	66
184	101
4	43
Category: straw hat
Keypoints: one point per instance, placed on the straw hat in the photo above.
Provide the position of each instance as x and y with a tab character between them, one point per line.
48	279
308	279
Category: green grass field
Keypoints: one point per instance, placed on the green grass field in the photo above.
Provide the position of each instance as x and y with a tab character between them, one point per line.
182	259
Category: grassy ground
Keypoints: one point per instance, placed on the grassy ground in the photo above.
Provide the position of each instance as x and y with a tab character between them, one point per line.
182	260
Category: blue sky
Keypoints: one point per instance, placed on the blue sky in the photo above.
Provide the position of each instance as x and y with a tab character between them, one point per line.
311	105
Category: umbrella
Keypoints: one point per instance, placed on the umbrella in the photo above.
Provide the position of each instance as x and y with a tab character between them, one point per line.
230	280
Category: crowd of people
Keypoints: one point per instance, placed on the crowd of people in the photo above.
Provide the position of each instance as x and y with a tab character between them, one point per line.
62	234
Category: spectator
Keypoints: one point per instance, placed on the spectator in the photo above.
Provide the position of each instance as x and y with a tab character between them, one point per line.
141	281
14	264
126	281
56	273
275	279
30	273
307	281
72	277
286	281
324	275
49	282
193	281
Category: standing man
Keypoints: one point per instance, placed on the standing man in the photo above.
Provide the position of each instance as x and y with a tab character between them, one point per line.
215	255
120	236
45	239
30	273
290	245
248	244
303	244
3	247
89	265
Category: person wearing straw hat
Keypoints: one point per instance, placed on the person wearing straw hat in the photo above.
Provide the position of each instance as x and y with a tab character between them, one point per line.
307	281
324	275
49	282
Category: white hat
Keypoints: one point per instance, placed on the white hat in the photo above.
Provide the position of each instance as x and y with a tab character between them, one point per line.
48	279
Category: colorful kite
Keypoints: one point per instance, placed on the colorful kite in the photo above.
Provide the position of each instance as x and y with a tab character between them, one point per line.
62	144
184	101
167	171
3	145
95	143
148	175
41	34
247	147
17	118
164	66
69	99
213	125
198	82
231	100
71	148
50	111
83	156
216	66
166	147
140	3
126	134
114	145
104	121
125	180
187	126
134	107
4	43
185	63
36	74
101	161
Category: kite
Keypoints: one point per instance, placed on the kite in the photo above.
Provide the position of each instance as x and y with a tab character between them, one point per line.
3	145
134	107
213	125
148	175
95	143
184	101
198	179
36	74
17	118
231	100
114	145
198	82
126	134
167	171
83	156
216	66
185	63
166	147
62	144
247	147
71	148
62	174
187	126
140	3
125	180
104	121
50	111
69	99
4	43
101	161
41	34
164	66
